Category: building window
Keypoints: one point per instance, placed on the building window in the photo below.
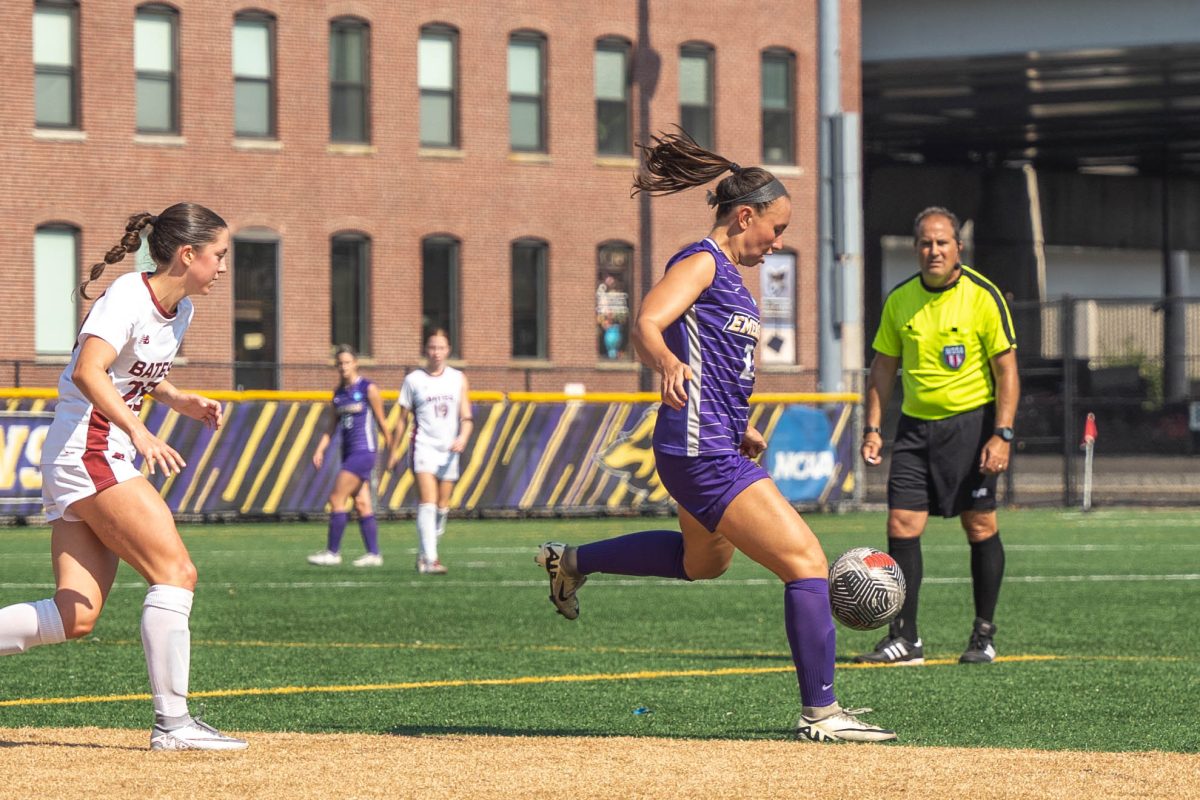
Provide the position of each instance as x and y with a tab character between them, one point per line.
155	58
529	309
255	312
696	93
778	107
527	92
614	276
254	75
350	288
56	64
612	97
439	288
437	79
56	274
349	81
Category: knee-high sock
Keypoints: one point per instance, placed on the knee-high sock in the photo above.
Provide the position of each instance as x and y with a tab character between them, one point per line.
649	553
168	644
27	625
813	638
907	554
441	520
337	526
987	571
427	530
370	533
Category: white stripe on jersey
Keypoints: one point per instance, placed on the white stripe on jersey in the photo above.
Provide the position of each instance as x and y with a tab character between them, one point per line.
696	362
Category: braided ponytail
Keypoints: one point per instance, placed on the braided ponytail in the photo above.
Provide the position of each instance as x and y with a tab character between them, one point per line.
131	242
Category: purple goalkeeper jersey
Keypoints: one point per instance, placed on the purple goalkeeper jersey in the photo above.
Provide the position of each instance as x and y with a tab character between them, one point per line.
355	419
716	337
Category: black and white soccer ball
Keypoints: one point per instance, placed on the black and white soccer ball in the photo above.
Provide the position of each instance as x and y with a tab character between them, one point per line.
866	588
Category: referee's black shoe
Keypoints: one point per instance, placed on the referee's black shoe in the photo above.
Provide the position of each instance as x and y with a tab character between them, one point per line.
894	649
980	649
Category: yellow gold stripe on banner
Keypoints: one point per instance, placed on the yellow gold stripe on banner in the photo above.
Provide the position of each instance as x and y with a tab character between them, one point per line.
587	470
548	455
264	468
558	487
299	447
512	443
208	485
494	455
200	466
164	432
249	452
478	454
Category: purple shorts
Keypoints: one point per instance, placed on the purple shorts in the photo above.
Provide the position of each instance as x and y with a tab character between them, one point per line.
704	486
359	464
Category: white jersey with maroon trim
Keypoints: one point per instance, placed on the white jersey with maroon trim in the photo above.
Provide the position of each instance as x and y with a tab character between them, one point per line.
436	401
146	337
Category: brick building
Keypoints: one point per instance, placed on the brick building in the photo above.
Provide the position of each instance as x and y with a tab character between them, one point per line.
386	166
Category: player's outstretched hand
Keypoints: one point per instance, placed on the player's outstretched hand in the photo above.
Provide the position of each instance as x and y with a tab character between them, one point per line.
207	411
675	380
158	454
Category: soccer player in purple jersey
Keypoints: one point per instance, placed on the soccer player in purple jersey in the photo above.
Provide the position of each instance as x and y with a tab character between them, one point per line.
357	409
698	328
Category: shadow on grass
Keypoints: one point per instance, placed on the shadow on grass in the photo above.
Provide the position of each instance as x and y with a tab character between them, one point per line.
87	745
485	730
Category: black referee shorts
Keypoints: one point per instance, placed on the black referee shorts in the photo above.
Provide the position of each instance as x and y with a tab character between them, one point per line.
935	464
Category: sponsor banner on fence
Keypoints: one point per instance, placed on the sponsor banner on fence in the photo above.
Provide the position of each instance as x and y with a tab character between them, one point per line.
544	456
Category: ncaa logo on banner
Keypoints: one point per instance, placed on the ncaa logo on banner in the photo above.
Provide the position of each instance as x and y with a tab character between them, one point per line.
954	355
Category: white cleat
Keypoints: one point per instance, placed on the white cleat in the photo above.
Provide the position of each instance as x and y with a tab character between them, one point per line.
842	725
369	560
563	587
196	735
325	558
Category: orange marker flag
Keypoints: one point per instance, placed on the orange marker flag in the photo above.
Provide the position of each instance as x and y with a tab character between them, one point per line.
1089	430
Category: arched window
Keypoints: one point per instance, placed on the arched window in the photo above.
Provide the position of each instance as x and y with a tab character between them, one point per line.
527	91
55	276
440	288
349	80
350	290
254	75
437	80
612	82
56	63
530	262
778	106
696	93
156	60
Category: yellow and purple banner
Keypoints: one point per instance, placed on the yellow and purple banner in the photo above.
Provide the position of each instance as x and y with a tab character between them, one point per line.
529	452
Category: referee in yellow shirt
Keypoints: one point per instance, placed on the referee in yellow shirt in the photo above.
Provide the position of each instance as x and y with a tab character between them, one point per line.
950	329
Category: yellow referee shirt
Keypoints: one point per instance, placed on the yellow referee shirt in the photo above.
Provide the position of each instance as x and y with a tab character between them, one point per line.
945	339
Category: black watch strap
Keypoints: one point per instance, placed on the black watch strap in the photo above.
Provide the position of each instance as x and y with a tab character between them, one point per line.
1005	433
872	429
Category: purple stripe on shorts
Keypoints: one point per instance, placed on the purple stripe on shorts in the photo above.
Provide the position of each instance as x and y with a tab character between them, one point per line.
705	485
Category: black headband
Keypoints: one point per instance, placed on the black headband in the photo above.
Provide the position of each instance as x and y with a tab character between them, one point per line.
769	191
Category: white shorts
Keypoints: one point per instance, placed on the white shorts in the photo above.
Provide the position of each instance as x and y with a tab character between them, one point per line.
64	484
442	464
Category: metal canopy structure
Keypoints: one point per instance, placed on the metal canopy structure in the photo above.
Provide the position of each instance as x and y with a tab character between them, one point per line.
1108	111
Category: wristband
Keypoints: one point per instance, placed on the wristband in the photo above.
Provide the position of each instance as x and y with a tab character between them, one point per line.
872	429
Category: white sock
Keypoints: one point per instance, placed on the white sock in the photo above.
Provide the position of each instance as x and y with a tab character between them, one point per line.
27	625
441	520
168	644
427	530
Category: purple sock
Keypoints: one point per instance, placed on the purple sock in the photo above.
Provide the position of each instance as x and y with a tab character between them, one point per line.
370	533
813	638
337	526
648	553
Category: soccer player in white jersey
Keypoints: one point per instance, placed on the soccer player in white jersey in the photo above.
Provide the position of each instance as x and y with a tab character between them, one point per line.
437	397
100	507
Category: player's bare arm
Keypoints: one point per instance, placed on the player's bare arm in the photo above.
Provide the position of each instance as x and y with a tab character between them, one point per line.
375	400
879	390
326	437
397	433
667	302
96	356
995	456
466	422
189	404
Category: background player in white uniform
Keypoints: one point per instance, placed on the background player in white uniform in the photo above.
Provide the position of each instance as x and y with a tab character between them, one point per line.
100	507
437	397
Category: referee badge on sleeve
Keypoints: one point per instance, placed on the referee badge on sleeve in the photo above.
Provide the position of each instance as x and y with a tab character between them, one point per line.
953	355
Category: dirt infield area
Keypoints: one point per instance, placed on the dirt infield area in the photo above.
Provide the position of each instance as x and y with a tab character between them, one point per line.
101	763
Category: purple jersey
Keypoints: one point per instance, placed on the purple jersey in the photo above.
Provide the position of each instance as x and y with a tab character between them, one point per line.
716	337
355	419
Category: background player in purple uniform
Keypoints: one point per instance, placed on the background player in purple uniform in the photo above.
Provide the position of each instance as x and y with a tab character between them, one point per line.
357	409
698	328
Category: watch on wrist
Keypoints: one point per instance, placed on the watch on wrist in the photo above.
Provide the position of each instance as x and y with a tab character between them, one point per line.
1005	433
872	429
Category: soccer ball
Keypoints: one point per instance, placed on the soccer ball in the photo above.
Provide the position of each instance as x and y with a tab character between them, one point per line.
866	588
